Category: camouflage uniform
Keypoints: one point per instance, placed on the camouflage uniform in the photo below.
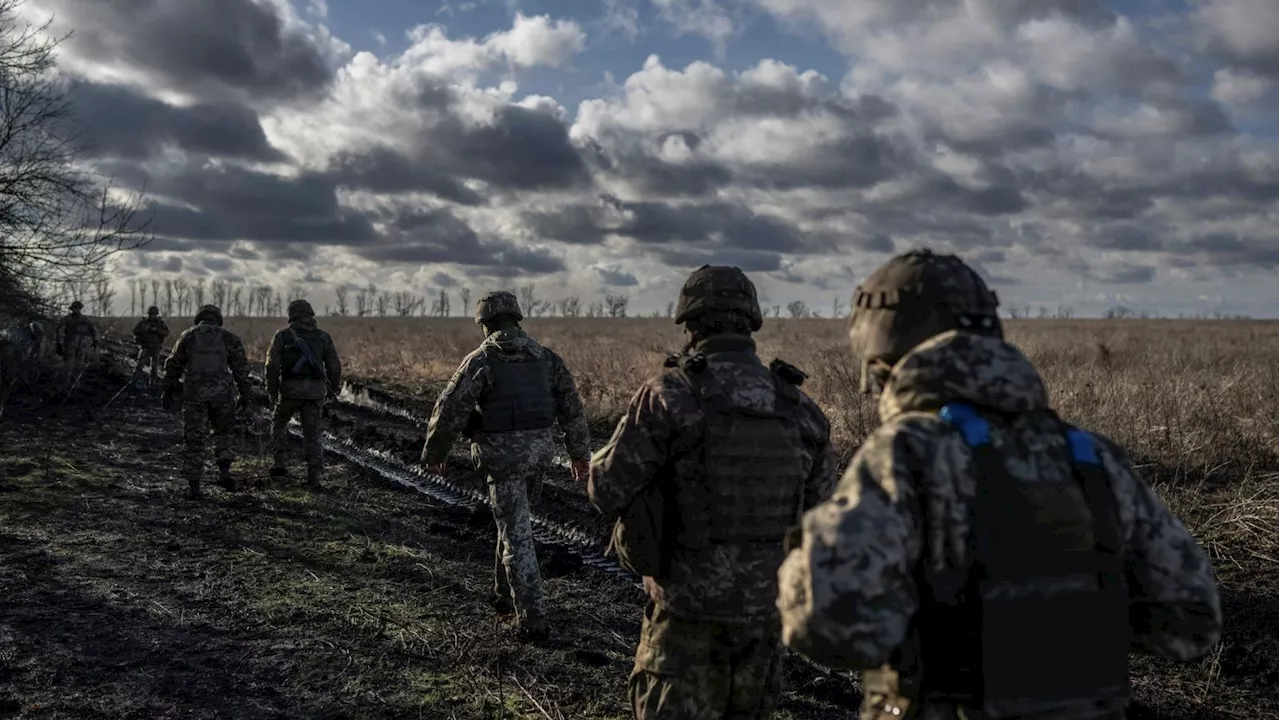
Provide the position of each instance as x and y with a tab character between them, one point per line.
709	644
882	553
296	387
20	354
514	460
150	334
79	340
209	362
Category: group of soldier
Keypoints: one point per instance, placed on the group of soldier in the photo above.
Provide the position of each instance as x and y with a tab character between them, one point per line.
979	558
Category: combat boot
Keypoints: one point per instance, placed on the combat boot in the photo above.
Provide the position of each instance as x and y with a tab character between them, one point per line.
225	479
502	605
534	629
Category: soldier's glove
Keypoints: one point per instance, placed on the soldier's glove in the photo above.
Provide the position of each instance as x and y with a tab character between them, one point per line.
167	398
580	469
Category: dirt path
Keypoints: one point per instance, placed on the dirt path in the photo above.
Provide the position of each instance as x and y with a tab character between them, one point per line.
122	599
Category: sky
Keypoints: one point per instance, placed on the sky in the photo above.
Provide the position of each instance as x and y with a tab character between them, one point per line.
1078	153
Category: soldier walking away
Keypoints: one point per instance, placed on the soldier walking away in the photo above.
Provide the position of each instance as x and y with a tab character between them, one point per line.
981	557
77	343
303	370
207	366
713	462
150	334
505	397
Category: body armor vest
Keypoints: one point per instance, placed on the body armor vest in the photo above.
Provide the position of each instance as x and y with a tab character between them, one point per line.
207	353
291	353
151	332
520	397
754	469
1040	616
78	326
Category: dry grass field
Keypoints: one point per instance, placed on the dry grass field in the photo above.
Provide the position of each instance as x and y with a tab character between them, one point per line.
1194	402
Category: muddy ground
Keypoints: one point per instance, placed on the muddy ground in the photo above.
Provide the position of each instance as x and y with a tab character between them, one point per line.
123	599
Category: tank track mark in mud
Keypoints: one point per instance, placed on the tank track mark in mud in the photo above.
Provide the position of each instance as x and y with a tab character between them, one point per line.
440	489
436	487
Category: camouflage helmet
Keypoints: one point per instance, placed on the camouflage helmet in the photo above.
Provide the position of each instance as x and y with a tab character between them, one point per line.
718	289
300	309
908	300
153	310
493	304
76	305
208	311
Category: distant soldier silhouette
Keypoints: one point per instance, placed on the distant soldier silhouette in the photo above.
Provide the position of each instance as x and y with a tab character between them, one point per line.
78	340
150	334
302	370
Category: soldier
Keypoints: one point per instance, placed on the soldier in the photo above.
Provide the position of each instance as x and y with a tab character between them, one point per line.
150	334
209	362
981	558
302	370
732	451
505	397
20	353
78	343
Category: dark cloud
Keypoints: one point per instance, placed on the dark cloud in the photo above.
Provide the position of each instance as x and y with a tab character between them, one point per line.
746	260
655	177
383	170
121	122
213	49
1122	273
521	149
418	235
444	280
232	203
616	278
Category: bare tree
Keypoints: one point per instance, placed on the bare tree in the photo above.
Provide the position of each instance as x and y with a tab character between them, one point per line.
595	309
168	296
777	311
570	307
671	308
277	305
465	295
837	307
297	292
383	302
197	291
155	294
237	306
797	309
181	291
218	290
617	305
103	295
263	293
440	308
58	219
142	294
362	301
341	293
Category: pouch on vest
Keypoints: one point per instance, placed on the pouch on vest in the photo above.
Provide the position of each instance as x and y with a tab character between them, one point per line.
754	469
1040	618
208	353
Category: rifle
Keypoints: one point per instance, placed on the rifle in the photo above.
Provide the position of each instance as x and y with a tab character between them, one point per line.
309	358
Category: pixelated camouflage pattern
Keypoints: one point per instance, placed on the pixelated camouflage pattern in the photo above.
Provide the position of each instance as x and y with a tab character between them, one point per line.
213	386
847	593
661	429
150	333
321	343
516	464
500	302
718	289
203	416
309	414
474	378
690	669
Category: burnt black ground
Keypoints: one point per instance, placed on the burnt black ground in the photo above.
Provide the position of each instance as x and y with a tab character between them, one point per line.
122	599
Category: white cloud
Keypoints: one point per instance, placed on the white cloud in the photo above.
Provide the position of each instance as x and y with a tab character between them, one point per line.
699	17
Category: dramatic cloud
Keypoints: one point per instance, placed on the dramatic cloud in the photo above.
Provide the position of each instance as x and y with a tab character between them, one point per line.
1074	151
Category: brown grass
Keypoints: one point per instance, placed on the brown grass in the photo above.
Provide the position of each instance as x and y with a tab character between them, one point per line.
1194	402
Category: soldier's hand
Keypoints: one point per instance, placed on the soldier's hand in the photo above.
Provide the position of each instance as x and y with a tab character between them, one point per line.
580	469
